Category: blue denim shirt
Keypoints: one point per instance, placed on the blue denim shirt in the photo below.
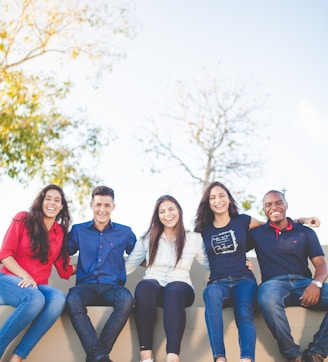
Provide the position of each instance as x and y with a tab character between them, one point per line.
101	253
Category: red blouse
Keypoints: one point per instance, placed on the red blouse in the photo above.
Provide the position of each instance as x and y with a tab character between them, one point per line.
16	243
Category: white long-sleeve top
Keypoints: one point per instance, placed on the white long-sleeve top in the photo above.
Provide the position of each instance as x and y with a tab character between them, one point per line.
164	269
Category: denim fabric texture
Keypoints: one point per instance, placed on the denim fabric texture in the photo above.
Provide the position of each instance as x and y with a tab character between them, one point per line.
83	295
40	307
280	292
240	293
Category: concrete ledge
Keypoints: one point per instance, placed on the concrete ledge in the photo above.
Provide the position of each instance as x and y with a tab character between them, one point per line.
62	344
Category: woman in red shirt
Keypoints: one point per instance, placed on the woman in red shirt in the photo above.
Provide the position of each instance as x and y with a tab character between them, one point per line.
34	242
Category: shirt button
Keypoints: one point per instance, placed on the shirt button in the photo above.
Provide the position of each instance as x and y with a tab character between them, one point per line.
99	260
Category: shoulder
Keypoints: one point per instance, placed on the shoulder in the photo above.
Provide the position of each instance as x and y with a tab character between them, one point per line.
245	217
241	219
82	226
259	229
193	236
20	216
19	220
307	230
118	226
144	241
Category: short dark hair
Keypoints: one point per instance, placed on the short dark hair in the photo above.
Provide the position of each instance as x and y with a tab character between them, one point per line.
102	190
275	192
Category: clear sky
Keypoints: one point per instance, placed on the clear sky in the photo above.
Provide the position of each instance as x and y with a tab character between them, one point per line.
282	45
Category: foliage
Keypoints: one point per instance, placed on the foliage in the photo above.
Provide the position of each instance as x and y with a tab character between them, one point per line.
66	29
37	37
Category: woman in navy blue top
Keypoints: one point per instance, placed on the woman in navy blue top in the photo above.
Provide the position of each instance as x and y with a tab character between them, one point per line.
231	283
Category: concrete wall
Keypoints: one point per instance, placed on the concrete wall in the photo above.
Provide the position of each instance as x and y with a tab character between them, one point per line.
62	344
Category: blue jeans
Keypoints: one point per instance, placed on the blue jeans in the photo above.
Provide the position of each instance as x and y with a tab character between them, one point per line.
83	295
241	294
280	292
40	307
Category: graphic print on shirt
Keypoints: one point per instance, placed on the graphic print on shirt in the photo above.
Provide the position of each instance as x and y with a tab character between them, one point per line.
224	242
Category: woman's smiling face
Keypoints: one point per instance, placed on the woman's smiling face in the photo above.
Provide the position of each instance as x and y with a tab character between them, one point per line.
168	214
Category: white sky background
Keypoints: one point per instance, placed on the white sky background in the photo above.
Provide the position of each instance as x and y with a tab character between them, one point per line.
281	45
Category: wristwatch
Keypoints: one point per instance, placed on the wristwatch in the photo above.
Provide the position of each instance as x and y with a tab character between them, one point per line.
317	283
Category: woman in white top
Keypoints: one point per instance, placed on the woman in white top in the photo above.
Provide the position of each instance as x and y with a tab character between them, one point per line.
169	251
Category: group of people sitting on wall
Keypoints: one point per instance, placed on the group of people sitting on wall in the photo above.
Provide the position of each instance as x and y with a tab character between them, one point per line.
40	238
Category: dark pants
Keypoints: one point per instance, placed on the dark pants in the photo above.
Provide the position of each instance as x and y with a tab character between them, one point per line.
83	295
174	298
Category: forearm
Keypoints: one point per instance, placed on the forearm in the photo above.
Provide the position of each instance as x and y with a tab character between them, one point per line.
312	221
11	264
321	273
321	268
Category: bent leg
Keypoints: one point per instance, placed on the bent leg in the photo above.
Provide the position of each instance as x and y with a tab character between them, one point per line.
244	298
176	297
28	303
271	300
52	309
215	296
77	299
121	299
146	301
320	339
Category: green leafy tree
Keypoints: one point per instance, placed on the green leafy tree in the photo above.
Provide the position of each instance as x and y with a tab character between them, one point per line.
38	139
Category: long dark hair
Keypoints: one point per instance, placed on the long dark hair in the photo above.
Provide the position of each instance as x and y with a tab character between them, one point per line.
156	228
38	231
204	215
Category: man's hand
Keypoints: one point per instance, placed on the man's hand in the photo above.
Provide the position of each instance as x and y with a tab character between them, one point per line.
310	221
310	295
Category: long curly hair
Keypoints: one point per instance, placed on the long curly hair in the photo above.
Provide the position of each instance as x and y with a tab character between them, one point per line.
37	228
156	229
204	214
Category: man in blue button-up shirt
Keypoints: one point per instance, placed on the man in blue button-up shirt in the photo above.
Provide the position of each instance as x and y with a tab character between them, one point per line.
100	275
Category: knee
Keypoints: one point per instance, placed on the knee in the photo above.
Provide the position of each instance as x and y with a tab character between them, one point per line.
267	300
146	286
245	314
34	299
211	295
73	299
125	298
58	301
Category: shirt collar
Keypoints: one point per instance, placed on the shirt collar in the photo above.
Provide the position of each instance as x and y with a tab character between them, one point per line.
109	226
277	229
55	227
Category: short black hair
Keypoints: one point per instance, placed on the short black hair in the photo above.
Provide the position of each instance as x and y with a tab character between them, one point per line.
275	192
102	190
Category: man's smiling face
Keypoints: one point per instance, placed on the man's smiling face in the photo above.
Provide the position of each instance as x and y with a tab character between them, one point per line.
275	207
102	207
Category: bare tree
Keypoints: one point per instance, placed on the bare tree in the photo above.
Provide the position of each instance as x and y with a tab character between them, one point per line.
211	130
